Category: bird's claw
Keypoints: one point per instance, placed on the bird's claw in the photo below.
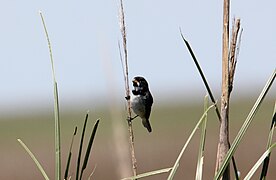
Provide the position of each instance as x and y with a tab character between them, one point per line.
127	98
131	118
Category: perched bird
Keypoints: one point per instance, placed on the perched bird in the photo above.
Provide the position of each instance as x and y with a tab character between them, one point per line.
141	100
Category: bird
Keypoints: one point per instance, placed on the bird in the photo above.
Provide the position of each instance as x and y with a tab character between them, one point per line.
141	100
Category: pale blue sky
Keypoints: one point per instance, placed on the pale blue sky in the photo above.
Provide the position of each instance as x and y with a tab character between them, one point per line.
85	34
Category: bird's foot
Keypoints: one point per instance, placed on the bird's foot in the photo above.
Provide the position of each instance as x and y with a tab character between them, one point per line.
131	118
127	98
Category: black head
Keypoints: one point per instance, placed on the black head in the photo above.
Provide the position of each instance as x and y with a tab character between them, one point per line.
139	81
140	85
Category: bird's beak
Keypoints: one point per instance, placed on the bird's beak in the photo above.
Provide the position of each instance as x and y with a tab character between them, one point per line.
135	82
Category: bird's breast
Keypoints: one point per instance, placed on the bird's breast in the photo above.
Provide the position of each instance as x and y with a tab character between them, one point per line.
138	105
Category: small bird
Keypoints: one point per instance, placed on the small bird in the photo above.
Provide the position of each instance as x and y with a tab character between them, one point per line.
141	100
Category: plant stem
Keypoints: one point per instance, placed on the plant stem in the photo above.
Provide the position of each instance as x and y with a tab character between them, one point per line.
126	78
223	145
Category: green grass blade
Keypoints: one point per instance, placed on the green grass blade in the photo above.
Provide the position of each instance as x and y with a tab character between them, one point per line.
56	108
270	136
57	134
81	144
34	159
245	126
152	173
176	164
89	147
259	162
201	75
70	155
199	169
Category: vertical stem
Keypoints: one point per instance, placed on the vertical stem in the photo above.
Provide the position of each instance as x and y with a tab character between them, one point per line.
130	129
223	145
57	134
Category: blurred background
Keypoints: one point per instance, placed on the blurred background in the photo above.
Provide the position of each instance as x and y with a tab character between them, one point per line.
84	37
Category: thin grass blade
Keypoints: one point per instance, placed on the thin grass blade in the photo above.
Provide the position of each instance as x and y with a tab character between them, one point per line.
201	75
270	136
245	126
56	107
81	144
199	169
259	162
34	159
89	147
152	173
70	154
176	164
57	133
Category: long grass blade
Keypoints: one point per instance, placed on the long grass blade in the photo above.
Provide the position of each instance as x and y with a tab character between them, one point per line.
245	126
34	159
259	162
199	169
176	164
201	75
56	107
89	147
81	144
152	173
270	136
70	155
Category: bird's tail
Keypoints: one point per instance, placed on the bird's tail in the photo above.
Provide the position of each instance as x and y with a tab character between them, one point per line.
146	124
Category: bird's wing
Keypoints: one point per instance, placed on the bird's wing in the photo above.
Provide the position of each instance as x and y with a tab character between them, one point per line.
148	104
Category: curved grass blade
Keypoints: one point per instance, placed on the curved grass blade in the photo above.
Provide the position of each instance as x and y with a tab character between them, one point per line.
56	107
199	169
81	144
34	159
259	162
152	173
245	126
89	147
176	164
70	154
270	136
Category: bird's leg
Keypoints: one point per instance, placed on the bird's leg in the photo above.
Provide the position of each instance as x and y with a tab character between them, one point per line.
131	118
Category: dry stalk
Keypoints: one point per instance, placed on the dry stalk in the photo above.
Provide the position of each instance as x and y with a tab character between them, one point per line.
234	51
223	145
229	61
126	78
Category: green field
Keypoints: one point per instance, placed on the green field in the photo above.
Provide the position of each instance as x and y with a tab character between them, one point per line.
171	124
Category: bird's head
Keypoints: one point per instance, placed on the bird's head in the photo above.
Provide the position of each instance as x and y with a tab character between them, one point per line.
140	83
